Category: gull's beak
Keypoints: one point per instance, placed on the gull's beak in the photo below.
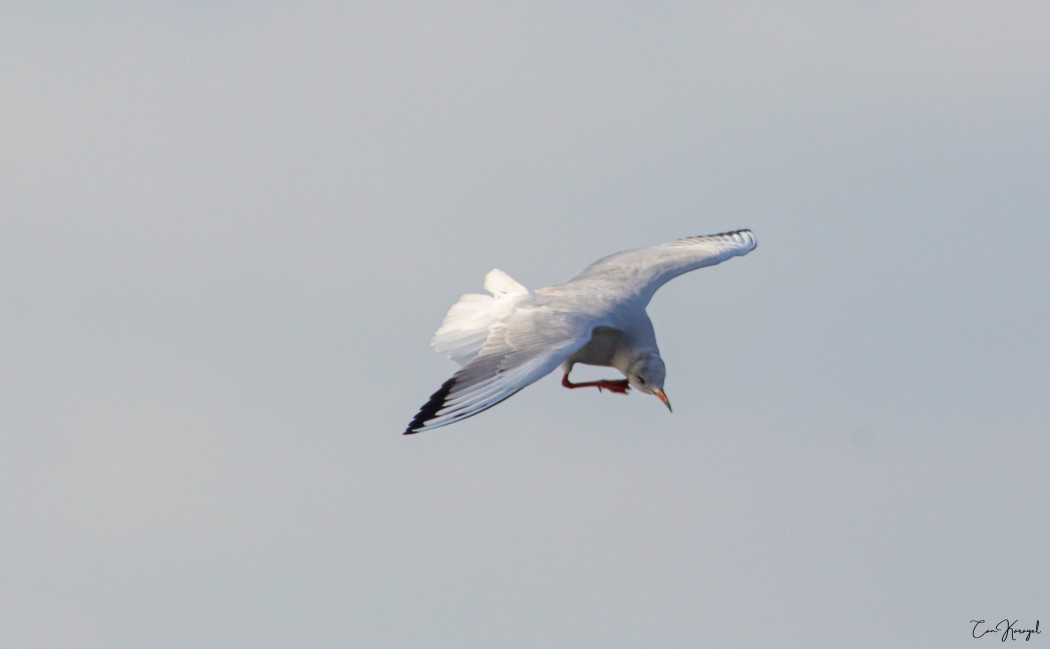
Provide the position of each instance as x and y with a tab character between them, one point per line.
663	397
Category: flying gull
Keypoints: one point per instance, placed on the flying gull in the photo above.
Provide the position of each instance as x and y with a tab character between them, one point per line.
511	338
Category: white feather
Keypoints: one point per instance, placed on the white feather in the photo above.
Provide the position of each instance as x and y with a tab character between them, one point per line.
467	324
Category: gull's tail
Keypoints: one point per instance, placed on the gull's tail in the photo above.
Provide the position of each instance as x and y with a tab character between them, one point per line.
468	323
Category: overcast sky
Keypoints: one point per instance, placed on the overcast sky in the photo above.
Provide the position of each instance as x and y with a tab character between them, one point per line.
229	230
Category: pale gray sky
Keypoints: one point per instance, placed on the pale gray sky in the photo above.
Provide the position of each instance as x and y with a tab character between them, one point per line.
229	230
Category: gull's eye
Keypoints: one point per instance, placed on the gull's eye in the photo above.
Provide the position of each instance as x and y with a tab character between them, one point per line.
641	379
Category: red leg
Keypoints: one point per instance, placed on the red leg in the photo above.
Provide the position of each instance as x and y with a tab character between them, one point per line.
619	387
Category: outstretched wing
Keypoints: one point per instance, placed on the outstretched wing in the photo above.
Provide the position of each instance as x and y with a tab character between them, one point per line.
518	351
641	272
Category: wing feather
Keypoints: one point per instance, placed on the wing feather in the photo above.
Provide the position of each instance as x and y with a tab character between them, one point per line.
644	270
518	351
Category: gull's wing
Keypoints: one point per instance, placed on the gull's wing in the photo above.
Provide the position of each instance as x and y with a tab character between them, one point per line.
641	272
519	350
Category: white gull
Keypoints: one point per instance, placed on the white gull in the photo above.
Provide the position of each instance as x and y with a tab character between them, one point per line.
511	338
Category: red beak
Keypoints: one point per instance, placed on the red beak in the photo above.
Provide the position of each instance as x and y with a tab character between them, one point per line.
663	397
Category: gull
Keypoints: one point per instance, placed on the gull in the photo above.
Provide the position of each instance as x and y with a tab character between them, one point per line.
511	338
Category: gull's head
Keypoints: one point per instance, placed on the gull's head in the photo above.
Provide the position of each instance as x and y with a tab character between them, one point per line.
646	374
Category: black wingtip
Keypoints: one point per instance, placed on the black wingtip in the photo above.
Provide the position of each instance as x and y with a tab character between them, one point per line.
431	408
746	233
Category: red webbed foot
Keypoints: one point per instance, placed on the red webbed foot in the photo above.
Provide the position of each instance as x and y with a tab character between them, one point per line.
618	387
